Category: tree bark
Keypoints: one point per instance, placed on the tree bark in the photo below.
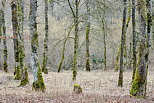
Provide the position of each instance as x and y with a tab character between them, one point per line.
138	87
3	32
120	81
24	73
45	57
87	35
38	84
14	8
134	37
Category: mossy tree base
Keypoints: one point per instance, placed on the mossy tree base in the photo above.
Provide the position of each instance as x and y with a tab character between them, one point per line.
39	84
5	67
24	80
77	89
17	73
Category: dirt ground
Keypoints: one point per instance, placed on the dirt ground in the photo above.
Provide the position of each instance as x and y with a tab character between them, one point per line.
98	87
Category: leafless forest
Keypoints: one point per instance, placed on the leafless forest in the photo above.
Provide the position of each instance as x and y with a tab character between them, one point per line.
76	51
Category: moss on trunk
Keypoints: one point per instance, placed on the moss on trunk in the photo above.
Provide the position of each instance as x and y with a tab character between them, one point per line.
39	84
24	79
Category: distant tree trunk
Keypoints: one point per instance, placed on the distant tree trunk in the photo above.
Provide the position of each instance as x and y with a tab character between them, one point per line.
120	81
14	8
3	32
87	35
134	37
138	87
45	56
63	51
38	84
76	40
104	41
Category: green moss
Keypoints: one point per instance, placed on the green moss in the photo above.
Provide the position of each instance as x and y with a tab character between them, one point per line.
5	66
44	68
39	84
77	89
76	85
35	39
24	80
74	75
138	81
17	73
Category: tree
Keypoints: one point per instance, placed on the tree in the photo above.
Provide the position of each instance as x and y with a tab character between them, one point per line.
76	39
138	87
3	32
45	57
23	69
38	84
134	37
120	81
87	35
14	8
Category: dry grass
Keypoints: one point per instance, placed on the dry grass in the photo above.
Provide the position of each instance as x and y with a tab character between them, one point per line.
98	87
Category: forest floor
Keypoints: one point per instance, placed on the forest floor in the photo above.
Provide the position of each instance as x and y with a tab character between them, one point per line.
98	87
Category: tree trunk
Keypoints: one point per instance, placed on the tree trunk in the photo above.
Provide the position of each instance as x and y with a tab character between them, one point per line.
138	87
120	81
87	35
3	32
104	41
134	37
76	44
63	51
24	73
38	84
15	24
45	57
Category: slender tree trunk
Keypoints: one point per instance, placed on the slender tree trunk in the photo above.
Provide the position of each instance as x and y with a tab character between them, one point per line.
38	84
24	73
76	44
120	81
3	30
87	35
134	37
63	51
45	56
138	87
104	40
14	7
